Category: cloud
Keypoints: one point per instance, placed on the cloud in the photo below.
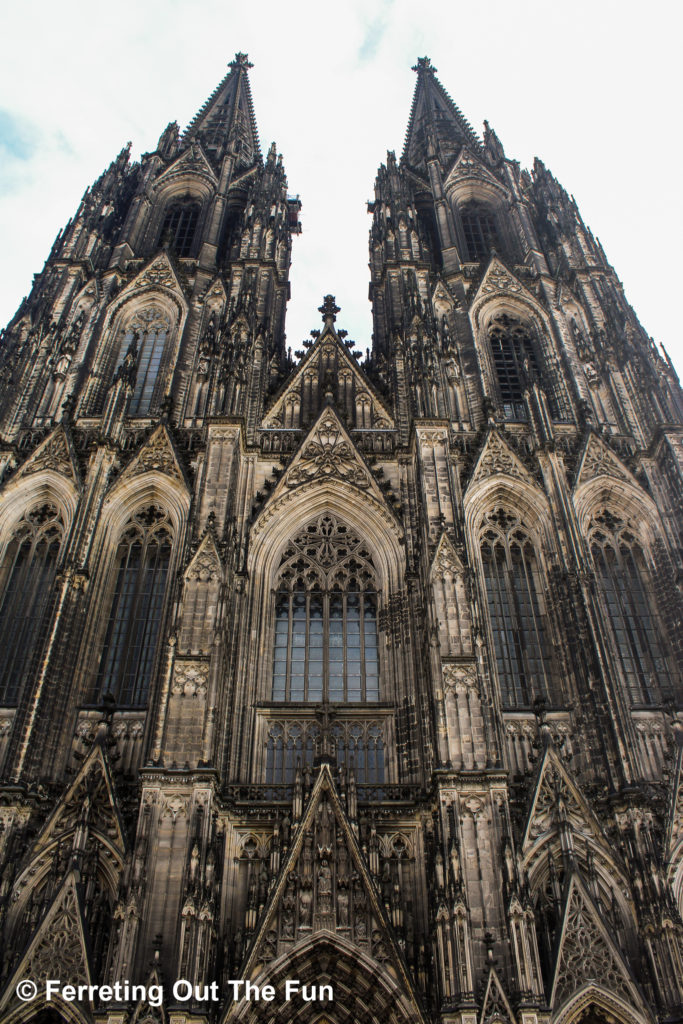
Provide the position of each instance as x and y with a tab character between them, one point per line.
333	86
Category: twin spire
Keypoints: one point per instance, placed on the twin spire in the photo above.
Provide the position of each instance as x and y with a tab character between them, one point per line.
436	125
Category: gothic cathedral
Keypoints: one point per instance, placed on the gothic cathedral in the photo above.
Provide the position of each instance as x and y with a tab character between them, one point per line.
353	677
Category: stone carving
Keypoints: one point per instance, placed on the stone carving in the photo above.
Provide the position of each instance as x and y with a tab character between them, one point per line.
159	274
585	953
598	460
498	457
328	453
498	280
190	679
459	678
53	454
59	951
156	455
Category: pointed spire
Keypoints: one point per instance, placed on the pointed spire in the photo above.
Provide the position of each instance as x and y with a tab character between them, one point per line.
227	121
436	126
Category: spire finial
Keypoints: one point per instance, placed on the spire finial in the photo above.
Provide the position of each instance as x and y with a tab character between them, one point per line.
241	61
424	64
329	309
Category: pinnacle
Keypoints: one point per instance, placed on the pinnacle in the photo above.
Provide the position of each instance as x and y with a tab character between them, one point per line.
329	309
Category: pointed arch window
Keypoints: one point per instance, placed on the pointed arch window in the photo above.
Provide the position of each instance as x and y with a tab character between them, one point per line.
180	226
146	336
135	615
514	596
479	230
326	618
27	576
626	587
517	365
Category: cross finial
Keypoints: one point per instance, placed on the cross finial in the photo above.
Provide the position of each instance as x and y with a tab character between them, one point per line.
424	64
241	61
329	309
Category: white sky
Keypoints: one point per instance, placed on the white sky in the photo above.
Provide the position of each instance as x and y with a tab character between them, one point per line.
590	87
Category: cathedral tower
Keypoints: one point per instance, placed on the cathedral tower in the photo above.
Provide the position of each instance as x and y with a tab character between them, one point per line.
363	675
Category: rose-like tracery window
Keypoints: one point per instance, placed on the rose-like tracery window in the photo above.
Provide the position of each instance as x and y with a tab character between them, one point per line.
326	618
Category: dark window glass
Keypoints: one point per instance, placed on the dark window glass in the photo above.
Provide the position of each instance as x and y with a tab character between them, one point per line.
479	228
179	228
624	582
135	615
27	577
517	623
150	353
516	365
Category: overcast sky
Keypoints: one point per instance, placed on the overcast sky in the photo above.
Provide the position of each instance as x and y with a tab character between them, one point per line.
591	87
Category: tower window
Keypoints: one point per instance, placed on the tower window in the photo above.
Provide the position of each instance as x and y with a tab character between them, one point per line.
149	331
27	575
326	618
479	229
624	582
179	227
140	576
515	363
515	604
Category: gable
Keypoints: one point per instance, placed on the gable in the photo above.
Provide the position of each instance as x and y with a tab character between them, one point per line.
328	369
497	457
156	455
54	453
599	460
498	280
191	161
324	885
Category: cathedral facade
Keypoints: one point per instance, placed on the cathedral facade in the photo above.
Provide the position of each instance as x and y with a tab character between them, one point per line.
356	679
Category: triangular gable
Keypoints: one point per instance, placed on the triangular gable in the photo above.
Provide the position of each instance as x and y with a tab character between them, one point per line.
496	1005
446	558
59	948
325	858
553	786
442	298
498	280
191	161
93	783
599	460
328	453
586	952
497	456
56	453
157	454
328	342
468	167
205	565
158	273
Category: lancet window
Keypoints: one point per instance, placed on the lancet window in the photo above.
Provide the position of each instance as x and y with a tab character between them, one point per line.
27	575
179	227
479	229
514	595
326	618
135	615
515	363
146	337
624	583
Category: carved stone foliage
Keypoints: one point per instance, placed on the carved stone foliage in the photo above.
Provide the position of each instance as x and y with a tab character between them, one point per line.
598	460
205	566
190	678
159	274
328	453
59	948
446	560
459	678
52	454
586	954
155	455
498	457
497	279
557	801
